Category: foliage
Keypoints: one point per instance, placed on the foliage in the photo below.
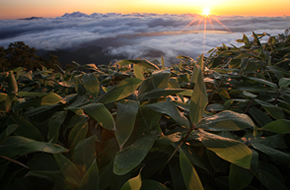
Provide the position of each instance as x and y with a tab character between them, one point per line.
221	122
18	54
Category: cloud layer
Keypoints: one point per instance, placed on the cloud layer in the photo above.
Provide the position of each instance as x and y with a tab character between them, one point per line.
136	35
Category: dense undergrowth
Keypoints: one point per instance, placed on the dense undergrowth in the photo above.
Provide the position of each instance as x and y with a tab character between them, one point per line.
221	122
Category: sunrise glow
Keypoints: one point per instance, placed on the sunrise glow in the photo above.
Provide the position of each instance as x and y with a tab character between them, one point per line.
54	8
206	11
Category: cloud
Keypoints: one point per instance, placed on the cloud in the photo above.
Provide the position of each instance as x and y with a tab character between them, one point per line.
137	35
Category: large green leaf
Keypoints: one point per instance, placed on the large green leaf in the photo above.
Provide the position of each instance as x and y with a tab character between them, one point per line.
226	121
141	62
133	183
284	82
269	181
31	94
158	93
198	100
17	146
275	154
132	156
54	124
125	120
49	99
228	149
138	72
122	90
149	184
169	109
190	176
239	177
91	179
12	84
278	126
91	83
26	129
79	87
262	81
273	110
77	134
161	79
3	96
101	114
72	175
84	154
195	158
259	116
8	131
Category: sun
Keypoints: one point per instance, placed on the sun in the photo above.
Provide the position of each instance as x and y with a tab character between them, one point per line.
206	11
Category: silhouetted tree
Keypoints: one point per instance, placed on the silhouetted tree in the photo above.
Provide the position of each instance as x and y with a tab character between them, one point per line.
18	54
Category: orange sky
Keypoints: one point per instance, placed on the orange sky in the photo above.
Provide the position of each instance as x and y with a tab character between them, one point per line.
13	9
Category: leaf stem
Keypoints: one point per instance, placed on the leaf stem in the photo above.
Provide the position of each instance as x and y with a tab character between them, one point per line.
215	90
248	107
16	162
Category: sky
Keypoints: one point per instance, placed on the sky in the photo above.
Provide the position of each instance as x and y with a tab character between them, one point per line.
13	9
139	28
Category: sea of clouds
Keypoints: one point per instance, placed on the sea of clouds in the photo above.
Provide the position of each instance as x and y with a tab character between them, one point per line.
137	35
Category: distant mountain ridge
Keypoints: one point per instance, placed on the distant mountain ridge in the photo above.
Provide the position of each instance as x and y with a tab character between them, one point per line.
31	18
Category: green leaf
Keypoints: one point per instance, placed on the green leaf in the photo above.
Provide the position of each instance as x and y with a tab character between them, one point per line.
31	94
262	81
91	83
138	72
256	39
273	110
169	109
228	149
122	90
149	184
249	94
176	175
8	131
125	120
84	154
91	179
54	124
49	99
198	100
132	156
12	84
195	158
284	82
161	79
275	141
133	183
142	62
17	146
269	181
246	40
158	93
276	155
26	129
200	61
226	121
259	116
3	96
239	177
101	114
79	87
278	126
77	134
70	172
190	176
163	63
